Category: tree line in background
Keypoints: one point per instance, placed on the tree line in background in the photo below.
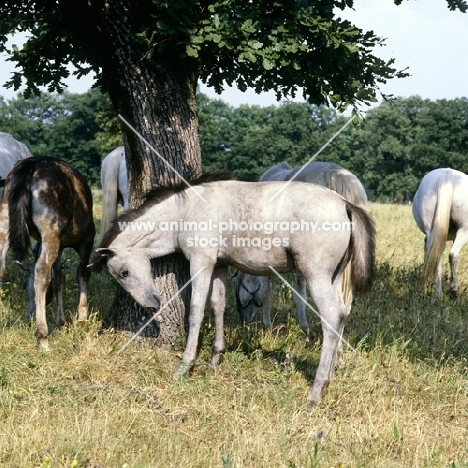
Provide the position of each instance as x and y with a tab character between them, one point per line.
390	151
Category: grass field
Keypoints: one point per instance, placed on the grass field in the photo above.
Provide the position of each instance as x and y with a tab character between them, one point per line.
400	400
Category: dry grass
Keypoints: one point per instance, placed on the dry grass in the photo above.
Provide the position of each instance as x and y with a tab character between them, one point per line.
400	400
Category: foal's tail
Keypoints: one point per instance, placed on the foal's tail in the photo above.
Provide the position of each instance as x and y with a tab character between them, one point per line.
437	236
109	182
20	207
362	248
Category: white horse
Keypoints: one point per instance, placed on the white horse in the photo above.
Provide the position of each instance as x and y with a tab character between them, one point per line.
11	151
252	291
440	209
215	224
114	186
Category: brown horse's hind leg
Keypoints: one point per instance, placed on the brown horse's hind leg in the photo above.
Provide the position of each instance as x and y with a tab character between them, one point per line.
82	276
42	279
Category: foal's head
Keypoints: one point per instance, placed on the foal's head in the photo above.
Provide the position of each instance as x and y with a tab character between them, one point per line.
133	272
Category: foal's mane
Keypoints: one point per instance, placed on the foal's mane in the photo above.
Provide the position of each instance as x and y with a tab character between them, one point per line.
157	195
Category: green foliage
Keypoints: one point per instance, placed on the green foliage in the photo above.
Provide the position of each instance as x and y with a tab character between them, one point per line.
78	128
271	45
265	45
390	151
403	140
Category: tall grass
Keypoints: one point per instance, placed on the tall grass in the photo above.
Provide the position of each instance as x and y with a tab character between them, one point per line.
400	399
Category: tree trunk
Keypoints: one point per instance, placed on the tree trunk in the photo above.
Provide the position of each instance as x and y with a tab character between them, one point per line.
157	97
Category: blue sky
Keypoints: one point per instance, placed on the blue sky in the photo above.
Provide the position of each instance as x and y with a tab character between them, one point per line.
422	35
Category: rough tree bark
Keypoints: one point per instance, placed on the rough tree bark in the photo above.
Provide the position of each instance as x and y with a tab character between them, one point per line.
157	97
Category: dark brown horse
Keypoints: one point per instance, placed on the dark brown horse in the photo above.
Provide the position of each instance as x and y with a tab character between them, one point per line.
48	200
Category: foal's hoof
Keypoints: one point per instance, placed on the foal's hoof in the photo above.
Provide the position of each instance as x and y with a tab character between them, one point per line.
316	393
181	372
312	400
82	323
43	345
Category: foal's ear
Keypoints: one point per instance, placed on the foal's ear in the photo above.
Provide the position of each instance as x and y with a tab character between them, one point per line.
106	252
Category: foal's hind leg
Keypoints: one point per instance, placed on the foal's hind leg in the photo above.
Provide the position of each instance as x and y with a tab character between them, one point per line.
218	303
347	289
329	300
461	239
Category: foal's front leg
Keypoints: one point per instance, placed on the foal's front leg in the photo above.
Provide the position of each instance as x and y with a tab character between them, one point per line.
200	288
218	303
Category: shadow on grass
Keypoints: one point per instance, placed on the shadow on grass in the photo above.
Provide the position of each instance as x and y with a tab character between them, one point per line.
399	310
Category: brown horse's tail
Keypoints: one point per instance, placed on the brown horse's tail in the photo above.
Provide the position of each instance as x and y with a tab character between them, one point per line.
362	248
437	237
20	206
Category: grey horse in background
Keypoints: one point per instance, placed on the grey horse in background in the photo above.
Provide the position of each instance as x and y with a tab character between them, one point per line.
253	292
11	151
440	209
114	186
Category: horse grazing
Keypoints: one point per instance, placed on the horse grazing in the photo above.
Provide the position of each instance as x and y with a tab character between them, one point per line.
48	200
114	186
11	151
252	291
440	209
235	224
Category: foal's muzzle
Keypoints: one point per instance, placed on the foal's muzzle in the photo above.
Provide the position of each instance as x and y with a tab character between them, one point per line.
152	305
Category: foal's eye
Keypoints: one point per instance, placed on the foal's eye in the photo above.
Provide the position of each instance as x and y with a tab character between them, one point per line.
125	273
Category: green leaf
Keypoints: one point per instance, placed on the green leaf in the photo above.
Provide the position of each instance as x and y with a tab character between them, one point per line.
255	44
191	51
267	64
